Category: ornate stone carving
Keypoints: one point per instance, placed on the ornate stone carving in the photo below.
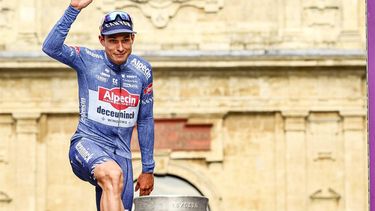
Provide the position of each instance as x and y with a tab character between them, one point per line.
6	13
4	198
329	194
324	156
161	11
6	19
321	13
322	18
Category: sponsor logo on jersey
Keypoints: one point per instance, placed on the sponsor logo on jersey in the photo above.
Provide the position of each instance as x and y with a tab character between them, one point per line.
92	54
130	81
76	49
119	98
148	89
83	109
131	76
141	67
114	81
113	107
101	78
128	85
147	100
117	114
105	74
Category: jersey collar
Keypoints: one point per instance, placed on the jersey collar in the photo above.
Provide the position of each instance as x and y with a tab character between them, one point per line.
114	66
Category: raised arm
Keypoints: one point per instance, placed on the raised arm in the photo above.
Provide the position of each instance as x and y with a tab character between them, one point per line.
54	43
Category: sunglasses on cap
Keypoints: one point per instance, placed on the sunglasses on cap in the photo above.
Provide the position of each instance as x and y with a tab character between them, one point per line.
116	22
112	16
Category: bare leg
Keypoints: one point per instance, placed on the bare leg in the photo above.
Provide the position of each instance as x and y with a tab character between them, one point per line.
101	202
110	179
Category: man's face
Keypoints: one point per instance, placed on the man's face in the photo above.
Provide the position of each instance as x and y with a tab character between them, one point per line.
118	47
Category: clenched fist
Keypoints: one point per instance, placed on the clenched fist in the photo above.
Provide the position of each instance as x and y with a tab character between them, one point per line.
145	184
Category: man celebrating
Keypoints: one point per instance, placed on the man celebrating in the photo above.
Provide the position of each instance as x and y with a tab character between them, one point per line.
115	94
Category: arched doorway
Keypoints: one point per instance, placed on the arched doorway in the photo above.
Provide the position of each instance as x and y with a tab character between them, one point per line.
173	185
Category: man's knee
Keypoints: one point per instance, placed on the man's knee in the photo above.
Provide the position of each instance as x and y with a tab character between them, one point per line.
109	176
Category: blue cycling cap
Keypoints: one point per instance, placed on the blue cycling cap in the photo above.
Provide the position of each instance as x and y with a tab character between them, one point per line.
116	22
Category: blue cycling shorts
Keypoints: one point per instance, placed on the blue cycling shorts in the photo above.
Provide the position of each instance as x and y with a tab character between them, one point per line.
85	155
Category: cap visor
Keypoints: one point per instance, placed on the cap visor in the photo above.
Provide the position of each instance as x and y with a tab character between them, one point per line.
118	31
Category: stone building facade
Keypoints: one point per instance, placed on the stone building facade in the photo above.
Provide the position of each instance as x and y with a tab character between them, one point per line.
260	105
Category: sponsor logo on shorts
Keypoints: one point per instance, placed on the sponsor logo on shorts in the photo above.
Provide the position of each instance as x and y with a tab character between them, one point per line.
83	152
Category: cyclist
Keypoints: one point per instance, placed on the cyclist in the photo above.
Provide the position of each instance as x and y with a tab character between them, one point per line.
115	95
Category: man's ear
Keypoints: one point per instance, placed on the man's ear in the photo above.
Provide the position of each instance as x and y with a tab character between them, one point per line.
101	39
133	37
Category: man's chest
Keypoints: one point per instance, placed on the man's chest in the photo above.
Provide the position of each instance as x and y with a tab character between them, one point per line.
114	96
126	80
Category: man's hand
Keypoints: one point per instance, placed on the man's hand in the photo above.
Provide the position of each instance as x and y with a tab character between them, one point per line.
145	184
80	4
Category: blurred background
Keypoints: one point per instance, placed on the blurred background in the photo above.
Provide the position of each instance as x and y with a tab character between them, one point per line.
259	105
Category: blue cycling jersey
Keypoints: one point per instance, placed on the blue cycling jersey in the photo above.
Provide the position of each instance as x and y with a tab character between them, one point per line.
112	98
